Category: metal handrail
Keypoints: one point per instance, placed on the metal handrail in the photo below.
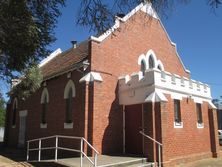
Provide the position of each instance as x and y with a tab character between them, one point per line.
159	146
90	145
81	151
141	132
43	138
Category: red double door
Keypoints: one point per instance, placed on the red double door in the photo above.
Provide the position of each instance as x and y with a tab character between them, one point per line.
133	124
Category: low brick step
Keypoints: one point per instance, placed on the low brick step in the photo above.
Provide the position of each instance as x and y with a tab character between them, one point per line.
147	164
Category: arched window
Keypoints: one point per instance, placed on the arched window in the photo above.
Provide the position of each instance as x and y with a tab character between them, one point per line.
160	65
151	62
143	67
69	107
14	111
69	94
44	110
44	102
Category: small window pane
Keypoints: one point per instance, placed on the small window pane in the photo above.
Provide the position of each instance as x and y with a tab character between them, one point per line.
44	110
143	68
69	107
199	113
14	116
151	62
177	112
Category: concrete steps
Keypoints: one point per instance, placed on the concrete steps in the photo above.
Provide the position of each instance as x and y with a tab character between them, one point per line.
103	161
110	161
130	164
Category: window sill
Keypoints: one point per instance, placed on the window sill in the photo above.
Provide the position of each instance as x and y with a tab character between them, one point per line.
43	126
68	125
200	125
178	124
163	79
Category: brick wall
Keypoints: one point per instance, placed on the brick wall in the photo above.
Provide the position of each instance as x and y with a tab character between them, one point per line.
96	112
187	143
117	56
55	115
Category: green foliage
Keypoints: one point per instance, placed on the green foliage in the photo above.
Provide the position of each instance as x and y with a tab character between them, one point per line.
30	82
26	29
2	111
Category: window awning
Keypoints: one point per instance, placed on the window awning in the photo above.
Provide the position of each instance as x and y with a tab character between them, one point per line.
156	96
90	77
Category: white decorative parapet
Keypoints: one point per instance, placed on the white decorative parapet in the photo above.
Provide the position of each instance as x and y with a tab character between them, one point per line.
136	88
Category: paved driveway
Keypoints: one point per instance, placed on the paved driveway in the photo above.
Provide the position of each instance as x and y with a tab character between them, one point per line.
211	162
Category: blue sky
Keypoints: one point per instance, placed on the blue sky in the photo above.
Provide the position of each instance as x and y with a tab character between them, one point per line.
195	29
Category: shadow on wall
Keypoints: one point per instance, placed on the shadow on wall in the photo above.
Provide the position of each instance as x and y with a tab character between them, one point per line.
152	130
212	133
113	136
90	117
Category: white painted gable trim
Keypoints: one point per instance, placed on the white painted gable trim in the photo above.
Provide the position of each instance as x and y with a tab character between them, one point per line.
175	45
50	57
145	7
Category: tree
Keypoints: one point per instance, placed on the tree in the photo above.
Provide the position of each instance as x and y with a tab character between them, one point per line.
98	15
26	29
27	84
217	102
2	111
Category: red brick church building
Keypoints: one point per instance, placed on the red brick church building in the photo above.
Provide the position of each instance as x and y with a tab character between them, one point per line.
112	88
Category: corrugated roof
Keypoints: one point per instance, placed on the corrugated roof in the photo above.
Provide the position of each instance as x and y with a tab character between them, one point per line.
66	60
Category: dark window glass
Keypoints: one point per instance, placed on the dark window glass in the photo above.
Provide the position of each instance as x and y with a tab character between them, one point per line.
177	112
143	67
44	110
69	107
14	115
199	113
151	62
